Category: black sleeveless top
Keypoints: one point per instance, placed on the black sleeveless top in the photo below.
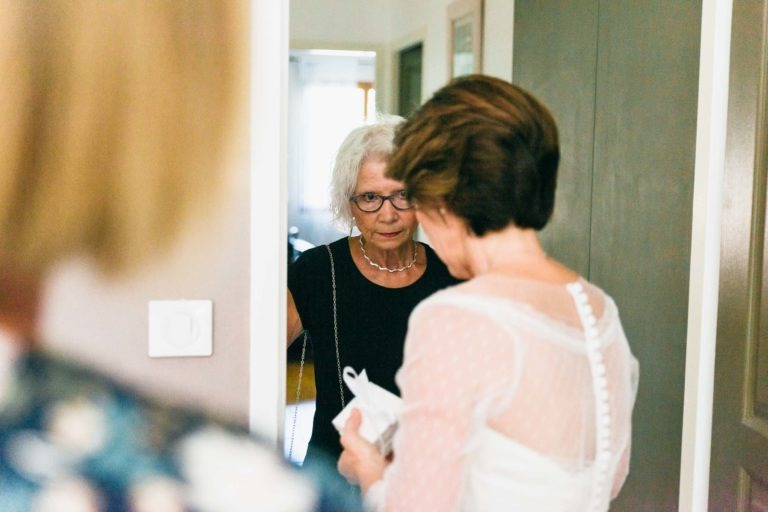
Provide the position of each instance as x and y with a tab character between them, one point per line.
372	322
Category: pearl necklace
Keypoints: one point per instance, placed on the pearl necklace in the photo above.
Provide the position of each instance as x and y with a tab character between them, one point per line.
374	264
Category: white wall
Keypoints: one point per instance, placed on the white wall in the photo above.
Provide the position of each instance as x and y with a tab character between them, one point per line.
428	18
346	25
391	25
497	50
341	21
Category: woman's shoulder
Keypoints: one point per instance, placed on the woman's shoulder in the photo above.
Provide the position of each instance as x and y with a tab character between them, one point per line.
313	260
451	317
514	300
452	297
431	254
485	294
320	252
437	272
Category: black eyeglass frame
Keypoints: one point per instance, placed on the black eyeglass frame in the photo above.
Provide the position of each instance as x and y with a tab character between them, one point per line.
382	198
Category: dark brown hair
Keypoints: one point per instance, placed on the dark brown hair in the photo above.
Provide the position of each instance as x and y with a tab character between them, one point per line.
485	147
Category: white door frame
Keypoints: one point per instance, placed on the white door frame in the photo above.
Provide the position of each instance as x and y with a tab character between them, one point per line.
268	117
711	127
269	86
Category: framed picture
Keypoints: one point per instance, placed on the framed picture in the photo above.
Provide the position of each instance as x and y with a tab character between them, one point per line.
465	37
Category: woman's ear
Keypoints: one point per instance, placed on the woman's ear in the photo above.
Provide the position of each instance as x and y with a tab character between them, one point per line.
449	217
443	215
442	209
446	214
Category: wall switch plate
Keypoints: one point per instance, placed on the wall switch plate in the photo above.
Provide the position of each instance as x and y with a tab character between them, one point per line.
180	328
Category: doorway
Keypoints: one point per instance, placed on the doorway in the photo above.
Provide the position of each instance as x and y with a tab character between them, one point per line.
330	93
409	79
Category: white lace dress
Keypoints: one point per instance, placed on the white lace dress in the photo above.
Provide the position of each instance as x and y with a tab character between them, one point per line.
518	396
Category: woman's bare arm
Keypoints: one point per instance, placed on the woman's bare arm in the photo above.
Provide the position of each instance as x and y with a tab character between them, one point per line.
294	321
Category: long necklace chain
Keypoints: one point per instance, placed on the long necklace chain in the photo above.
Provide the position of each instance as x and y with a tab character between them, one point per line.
374	264
336	324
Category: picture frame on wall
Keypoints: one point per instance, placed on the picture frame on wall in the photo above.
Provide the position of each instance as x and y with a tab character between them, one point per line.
465	37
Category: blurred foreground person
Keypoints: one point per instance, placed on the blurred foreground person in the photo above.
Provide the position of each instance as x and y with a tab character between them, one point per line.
118	119
518	385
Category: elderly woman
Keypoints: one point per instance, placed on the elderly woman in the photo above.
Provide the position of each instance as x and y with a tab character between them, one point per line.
117	119
354	295
519	384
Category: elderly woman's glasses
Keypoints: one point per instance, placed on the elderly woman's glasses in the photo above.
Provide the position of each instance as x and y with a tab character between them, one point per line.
370	202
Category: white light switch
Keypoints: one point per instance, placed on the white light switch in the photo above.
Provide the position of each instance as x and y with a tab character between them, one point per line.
180	328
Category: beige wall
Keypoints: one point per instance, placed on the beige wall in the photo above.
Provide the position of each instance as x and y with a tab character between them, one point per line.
103	322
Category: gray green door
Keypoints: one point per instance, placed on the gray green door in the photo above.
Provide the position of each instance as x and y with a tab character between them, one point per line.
621	78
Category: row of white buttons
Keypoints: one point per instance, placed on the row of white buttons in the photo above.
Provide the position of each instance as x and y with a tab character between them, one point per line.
600	491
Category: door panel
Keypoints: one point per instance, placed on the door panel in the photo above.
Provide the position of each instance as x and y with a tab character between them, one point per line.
555	48
645	138
739	464
621	79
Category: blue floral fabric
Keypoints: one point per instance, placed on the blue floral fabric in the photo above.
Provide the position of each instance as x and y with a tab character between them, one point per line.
70	437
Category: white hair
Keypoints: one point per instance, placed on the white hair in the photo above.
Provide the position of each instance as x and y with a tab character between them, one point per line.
368	142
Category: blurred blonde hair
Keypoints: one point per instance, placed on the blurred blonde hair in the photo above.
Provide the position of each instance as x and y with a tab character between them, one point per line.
116	117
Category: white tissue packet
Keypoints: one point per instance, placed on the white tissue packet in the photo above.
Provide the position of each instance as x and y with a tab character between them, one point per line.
380	410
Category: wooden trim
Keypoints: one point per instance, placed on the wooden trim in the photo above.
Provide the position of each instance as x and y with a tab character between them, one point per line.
746	491
757	425
743	490
757	243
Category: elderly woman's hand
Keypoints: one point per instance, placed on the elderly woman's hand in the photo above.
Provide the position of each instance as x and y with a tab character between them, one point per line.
360	462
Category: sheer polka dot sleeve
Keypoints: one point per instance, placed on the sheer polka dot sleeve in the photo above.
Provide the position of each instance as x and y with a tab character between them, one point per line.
445	371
